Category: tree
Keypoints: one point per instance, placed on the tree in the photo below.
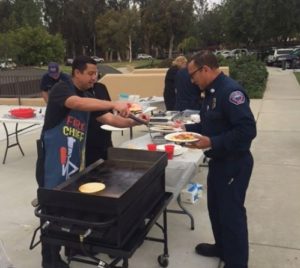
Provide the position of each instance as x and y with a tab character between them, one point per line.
75	20
188	45
34	45
256	22
130	25
168	25
19	13
109	35
210	30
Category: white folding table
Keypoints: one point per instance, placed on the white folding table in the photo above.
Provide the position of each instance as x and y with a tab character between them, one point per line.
6	118
180	170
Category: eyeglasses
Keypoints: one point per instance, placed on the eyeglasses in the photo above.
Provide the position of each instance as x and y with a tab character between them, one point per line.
194	72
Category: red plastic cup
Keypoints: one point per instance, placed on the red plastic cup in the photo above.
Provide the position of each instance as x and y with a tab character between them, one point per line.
169	149
151	147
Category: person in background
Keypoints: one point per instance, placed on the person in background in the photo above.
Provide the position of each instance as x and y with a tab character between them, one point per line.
188	95
98	139
50	78
169	90
63	136
228	128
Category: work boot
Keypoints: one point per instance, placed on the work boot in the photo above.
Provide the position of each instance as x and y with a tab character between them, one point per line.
55	264
207	250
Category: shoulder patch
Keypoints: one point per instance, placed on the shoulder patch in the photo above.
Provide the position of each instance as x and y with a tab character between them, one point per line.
237	97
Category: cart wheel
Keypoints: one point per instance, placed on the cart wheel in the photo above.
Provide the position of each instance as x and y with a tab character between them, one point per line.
163	260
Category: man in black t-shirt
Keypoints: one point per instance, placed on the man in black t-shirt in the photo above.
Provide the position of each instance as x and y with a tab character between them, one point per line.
50	78
63	135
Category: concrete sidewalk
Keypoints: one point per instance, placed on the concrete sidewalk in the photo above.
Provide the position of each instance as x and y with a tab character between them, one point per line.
273	199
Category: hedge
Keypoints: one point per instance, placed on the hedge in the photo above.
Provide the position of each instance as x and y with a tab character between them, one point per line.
250	73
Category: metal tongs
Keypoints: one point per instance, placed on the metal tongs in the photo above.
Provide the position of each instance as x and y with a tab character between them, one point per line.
140	121
143	122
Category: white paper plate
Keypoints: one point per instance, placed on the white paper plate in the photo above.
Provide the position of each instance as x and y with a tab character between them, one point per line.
175	137
178	150
167	129
111	128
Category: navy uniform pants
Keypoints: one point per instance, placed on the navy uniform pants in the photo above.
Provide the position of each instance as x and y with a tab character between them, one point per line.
227	183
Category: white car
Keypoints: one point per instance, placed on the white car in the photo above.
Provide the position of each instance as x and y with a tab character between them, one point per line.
8	64
144	57
272	59
97	59
237	53
224	53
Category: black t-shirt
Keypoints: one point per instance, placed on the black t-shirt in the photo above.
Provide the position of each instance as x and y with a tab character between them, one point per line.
48	82
56	110
98	139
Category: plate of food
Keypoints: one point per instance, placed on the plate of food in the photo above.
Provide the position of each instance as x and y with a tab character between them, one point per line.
135	108
165	128
183	137
178	150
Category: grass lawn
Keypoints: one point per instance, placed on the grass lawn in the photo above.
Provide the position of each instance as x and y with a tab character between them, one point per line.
297	74
134	63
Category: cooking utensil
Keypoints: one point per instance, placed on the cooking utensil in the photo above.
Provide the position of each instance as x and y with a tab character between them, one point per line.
140	121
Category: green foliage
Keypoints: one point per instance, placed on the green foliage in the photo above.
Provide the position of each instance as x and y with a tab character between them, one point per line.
145	64
166	22
116	29
188	45
33	46
166	63
19	13
249	72
254	22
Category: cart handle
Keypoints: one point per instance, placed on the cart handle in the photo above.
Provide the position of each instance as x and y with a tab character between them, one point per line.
39	214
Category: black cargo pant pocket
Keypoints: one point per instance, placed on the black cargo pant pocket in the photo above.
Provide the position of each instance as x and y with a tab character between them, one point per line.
40	163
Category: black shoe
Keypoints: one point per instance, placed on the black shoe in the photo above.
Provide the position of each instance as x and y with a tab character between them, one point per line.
207	250
55	264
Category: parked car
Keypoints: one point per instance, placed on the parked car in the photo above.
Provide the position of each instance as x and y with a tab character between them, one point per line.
144	56
224	53
69	61
7	64
291	60
272	59
97	59
237	53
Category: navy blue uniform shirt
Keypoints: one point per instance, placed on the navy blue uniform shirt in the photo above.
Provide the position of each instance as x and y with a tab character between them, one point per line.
48	82
226	118
188	94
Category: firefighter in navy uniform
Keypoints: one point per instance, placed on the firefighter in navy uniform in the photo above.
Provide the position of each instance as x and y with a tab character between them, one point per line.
228	128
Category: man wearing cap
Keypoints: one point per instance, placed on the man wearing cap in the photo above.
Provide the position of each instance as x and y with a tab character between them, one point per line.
50	78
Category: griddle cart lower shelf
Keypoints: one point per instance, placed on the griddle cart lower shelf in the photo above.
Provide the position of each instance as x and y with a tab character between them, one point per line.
120	255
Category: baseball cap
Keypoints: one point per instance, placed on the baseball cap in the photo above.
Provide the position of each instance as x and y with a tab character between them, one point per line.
53	69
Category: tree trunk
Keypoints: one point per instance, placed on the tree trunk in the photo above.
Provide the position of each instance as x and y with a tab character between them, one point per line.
171	46
146	44
156	52
130	48
119	56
